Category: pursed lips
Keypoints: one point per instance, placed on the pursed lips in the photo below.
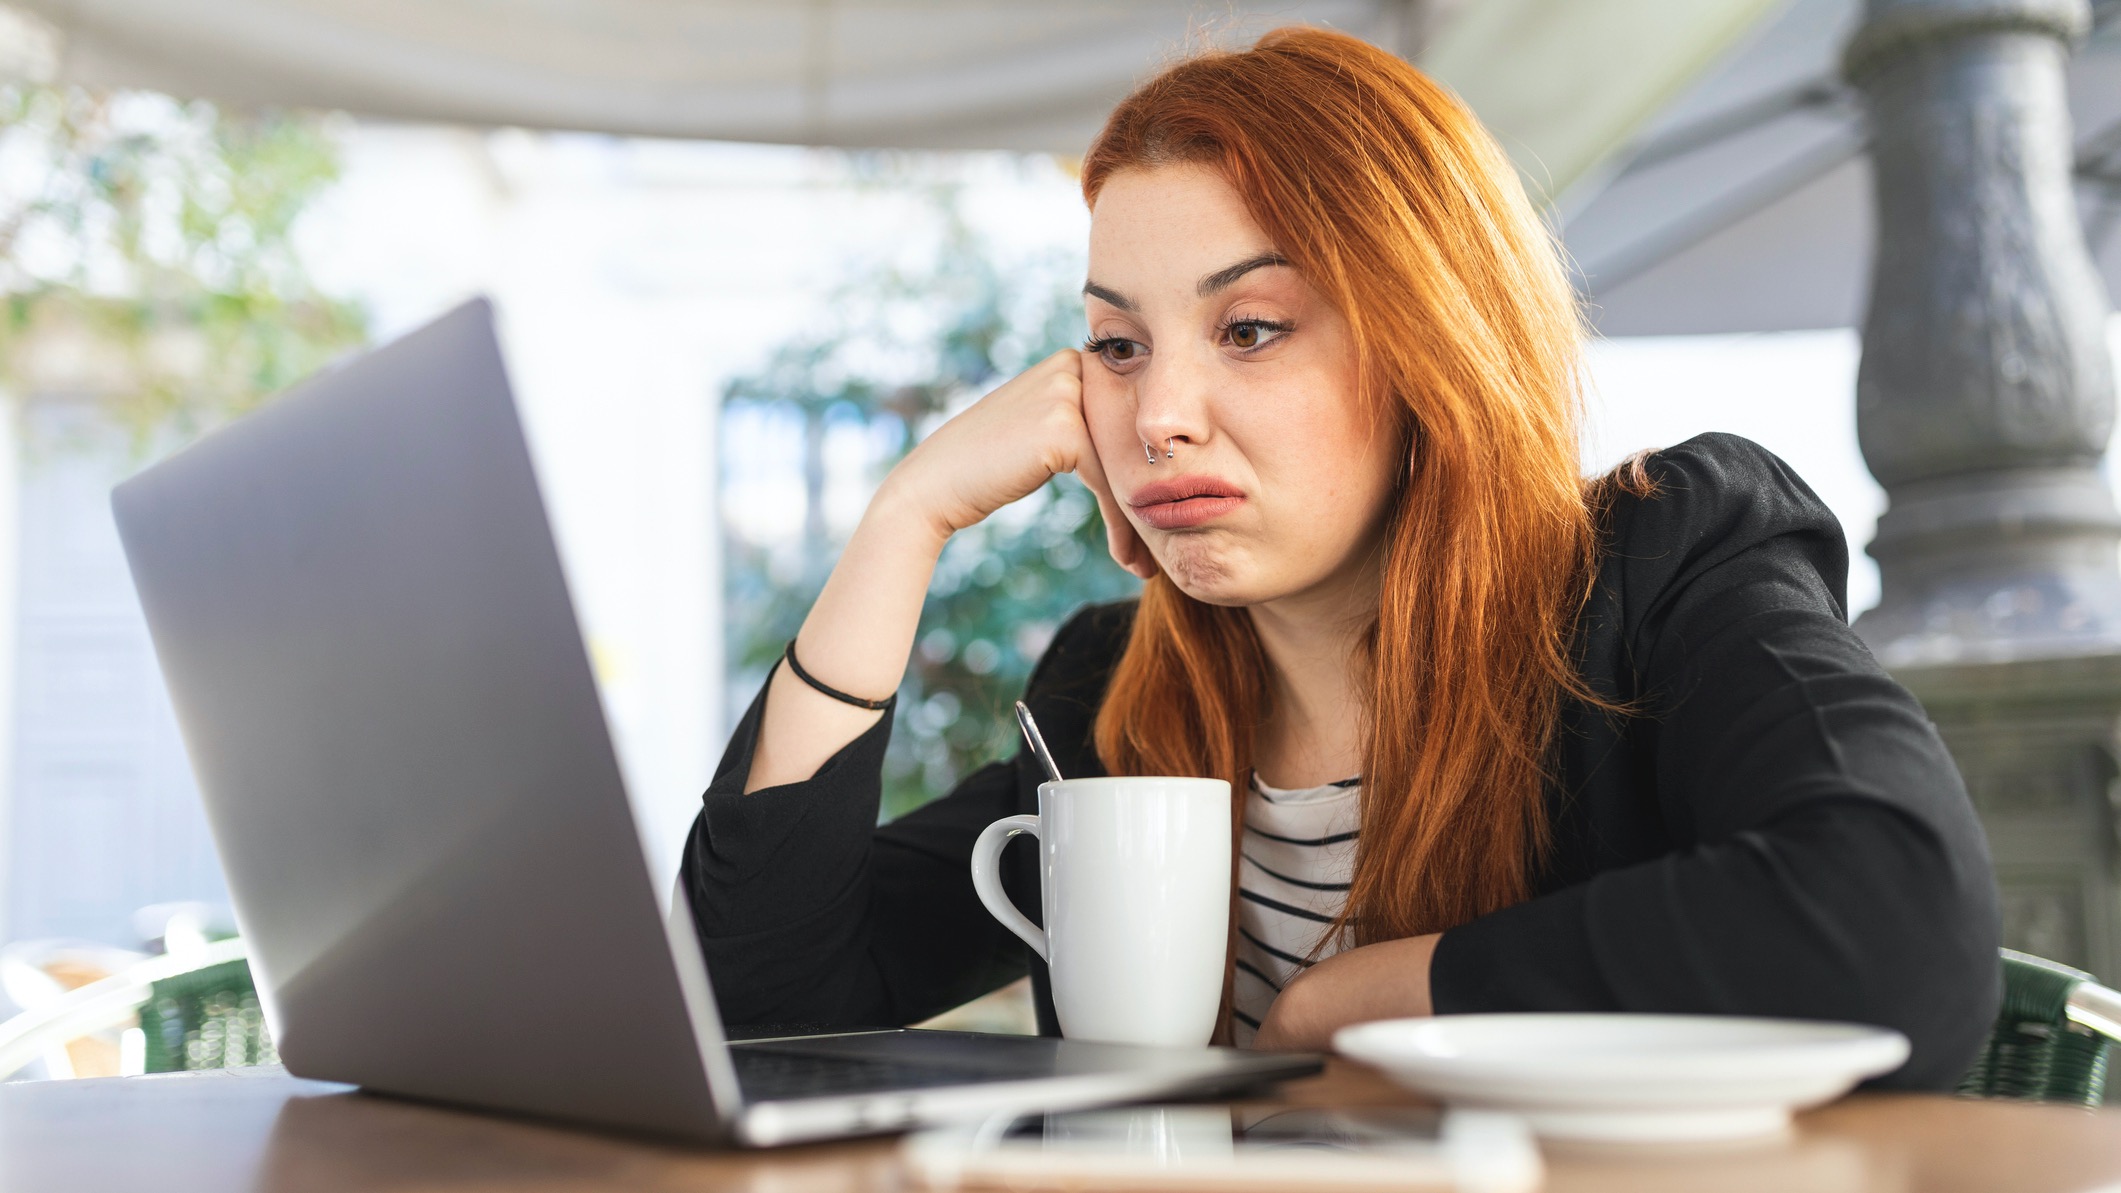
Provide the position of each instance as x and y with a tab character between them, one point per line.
1184	501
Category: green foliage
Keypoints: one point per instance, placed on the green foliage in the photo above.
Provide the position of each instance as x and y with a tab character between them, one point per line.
930	341
146	255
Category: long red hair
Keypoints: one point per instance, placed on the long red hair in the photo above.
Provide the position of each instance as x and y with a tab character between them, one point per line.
1385	192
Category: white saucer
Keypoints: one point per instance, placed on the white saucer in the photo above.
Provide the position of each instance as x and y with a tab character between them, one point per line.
1629	1078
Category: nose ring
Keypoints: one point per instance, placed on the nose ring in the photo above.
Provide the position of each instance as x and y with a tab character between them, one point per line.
1169	453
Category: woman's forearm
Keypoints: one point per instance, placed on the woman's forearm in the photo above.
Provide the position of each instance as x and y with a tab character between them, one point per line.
857	639
1387	980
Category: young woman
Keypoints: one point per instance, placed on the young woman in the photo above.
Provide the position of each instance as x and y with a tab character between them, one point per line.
1503	739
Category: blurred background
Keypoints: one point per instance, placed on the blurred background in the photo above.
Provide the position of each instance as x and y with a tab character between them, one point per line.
744	256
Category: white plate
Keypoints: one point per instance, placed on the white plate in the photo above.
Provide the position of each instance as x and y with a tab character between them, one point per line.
1629	1078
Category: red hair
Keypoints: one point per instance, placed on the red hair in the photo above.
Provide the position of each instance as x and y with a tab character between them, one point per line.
1384	191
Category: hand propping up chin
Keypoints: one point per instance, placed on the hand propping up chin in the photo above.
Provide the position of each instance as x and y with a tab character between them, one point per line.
1003	447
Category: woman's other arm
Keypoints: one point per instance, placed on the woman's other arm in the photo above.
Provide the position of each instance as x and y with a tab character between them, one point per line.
1386	980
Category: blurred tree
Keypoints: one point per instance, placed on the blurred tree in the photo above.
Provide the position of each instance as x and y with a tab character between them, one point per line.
961	327
147	262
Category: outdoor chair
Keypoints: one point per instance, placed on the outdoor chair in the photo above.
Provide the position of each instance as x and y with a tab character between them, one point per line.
2052	1039
206	1018
197	1009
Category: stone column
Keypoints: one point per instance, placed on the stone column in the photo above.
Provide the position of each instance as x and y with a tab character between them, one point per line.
1984	405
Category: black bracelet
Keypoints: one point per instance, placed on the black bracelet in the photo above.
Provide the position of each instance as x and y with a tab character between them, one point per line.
828	689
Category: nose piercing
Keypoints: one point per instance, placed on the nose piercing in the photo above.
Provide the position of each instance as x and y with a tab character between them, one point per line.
1168	453
1152	452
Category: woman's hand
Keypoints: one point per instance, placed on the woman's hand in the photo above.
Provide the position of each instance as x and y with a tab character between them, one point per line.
1387	980
1003	447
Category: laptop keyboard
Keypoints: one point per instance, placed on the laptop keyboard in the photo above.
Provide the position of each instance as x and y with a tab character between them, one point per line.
767	1073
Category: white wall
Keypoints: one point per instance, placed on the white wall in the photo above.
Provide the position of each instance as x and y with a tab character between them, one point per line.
1792	392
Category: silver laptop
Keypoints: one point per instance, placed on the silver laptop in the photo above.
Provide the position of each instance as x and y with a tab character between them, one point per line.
362	617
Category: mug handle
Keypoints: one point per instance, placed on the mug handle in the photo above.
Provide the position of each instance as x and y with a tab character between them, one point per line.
987	879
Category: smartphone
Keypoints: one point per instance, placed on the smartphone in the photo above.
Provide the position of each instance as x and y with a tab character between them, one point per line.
1183	1148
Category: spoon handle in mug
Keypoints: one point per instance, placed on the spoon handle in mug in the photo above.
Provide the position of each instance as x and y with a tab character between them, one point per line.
1037	740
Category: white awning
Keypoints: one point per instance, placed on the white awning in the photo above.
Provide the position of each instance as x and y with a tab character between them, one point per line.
1560	81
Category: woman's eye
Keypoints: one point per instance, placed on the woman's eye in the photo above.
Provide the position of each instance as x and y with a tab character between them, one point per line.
1247	334
1114	350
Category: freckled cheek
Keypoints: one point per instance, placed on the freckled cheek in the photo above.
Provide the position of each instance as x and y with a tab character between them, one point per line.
1106	411
1303	472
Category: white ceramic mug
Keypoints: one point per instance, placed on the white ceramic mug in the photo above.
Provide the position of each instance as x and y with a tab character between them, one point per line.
1135	885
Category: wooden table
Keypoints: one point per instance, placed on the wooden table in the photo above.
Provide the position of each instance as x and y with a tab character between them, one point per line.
262	1130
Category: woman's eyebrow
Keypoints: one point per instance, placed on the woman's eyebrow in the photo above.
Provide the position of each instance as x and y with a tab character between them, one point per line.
1208	286
1110	295
1223	277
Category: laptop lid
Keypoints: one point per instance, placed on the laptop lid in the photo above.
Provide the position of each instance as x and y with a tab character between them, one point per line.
363	622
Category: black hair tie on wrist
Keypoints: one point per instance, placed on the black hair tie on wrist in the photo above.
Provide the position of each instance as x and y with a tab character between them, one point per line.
828	689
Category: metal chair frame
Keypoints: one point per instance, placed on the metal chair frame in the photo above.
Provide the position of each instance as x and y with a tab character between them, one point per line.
2053	1037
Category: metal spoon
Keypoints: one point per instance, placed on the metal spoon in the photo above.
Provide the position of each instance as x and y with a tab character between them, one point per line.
1038	744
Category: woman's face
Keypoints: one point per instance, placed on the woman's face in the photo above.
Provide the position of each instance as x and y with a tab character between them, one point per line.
1203	343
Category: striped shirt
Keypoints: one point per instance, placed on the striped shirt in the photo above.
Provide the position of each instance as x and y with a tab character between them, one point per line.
1292	878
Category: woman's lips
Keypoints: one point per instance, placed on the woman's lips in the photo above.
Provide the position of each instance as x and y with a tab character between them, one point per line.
1184	501
1190	511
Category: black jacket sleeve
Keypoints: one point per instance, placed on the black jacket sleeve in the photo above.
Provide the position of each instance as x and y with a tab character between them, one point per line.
809	912
1829	864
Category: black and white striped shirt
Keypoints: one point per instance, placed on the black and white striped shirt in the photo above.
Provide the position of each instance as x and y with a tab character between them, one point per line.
1292	878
